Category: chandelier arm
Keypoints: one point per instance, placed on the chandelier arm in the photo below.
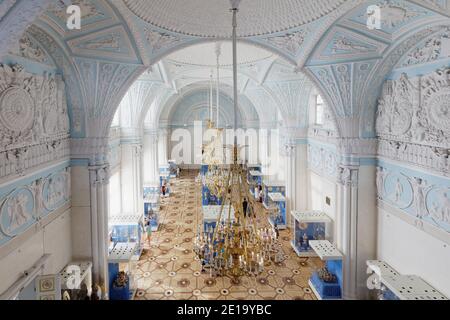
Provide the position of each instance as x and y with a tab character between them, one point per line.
221	206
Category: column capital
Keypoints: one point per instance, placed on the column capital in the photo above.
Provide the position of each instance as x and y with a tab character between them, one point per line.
99	174
348	175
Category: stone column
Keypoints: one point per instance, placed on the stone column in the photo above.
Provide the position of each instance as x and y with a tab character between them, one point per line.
90	205
356	218
98	182
295	164
150	163
131	178
163	146
346	226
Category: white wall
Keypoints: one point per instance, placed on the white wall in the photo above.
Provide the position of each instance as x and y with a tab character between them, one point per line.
81	214
320	188
53	239
412	251
115	195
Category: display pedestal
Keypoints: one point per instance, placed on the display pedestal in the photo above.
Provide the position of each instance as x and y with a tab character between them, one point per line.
394	286
332	259
120	259
309	225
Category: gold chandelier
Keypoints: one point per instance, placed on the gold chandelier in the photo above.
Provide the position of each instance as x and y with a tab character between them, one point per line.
235	246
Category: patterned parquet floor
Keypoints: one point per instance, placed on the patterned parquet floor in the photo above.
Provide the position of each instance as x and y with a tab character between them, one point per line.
168	268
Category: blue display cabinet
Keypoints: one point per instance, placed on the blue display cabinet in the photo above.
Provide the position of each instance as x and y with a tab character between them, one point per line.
326	283
278	210
391	285
307	226
211	215
127	229
120	259
272	187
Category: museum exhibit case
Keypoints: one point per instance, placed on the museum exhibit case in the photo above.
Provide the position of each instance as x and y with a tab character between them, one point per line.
152	206
254	180
122	271
388	284
307	226
271	187
128	229
326	282
277	210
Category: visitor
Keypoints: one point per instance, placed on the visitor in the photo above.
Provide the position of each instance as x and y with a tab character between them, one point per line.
244	206
277	231
149	230
163	189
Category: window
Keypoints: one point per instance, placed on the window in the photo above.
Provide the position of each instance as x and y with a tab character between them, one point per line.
319	111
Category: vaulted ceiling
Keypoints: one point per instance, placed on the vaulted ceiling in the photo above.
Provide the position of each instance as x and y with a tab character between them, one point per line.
285	45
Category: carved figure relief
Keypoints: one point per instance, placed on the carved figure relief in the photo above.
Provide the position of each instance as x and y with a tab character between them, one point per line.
424	198
23	206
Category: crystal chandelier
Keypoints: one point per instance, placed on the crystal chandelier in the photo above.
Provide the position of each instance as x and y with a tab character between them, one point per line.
235	246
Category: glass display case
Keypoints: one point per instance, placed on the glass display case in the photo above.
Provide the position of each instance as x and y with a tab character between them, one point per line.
277	205
307	226
326	282
152	205
122	271
271	187
128	229
390	285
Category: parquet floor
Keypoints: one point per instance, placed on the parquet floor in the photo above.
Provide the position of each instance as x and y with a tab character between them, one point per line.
168	268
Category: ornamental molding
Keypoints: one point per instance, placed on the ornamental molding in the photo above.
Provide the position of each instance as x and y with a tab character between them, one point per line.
429	51
431	158
377	77
15	17
95	149
416	110
357	147
323	161
34	122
